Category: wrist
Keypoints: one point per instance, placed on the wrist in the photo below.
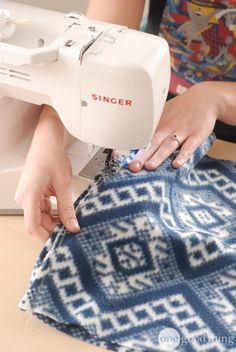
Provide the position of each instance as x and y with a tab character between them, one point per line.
213	96
50	131
222	97
228	96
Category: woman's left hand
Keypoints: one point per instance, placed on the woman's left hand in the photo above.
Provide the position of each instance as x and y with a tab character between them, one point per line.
186	122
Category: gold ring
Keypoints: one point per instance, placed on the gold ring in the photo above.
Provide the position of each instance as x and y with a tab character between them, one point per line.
175	138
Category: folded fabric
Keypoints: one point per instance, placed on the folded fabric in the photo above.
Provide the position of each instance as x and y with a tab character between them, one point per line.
154	265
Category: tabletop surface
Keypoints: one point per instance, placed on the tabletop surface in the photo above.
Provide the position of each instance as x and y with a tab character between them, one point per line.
19	331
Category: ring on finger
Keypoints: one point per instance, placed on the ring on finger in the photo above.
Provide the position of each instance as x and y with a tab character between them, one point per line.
176	139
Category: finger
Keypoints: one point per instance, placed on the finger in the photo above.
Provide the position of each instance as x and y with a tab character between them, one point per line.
66	208
145	154
45	204
32	214
187	149
33	218
164	151
42	234
140	158
49	222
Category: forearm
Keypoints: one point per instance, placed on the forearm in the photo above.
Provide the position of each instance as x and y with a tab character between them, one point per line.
124	12
50	131
228	114
225	97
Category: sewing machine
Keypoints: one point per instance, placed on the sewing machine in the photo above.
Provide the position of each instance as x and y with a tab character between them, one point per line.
108	84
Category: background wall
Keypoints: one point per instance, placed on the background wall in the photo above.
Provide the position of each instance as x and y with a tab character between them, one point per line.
58	5
63	5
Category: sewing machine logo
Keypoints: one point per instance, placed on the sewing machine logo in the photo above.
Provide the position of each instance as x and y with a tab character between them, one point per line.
112	100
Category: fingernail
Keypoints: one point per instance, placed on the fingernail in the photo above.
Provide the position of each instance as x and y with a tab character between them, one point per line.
136	164
178	163
74	223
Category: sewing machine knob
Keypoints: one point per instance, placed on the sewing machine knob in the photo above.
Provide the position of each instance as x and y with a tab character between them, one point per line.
69	43
76	16
92	28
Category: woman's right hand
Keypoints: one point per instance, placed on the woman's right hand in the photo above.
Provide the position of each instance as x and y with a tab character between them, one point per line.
47	173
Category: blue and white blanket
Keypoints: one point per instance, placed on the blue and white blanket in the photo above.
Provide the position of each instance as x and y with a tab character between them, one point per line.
154	265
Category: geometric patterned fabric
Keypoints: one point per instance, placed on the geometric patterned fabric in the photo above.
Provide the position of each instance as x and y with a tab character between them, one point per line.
156	253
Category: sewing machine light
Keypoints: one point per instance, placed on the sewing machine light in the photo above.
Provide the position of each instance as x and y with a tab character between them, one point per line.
91	148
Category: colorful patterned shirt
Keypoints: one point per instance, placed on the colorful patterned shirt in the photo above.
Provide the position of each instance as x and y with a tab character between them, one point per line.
202	39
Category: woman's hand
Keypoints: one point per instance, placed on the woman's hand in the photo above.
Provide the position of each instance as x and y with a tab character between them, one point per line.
46	173
186	122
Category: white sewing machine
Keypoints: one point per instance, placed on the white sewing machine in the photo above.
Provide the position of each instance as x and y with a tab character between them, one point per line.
108	84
